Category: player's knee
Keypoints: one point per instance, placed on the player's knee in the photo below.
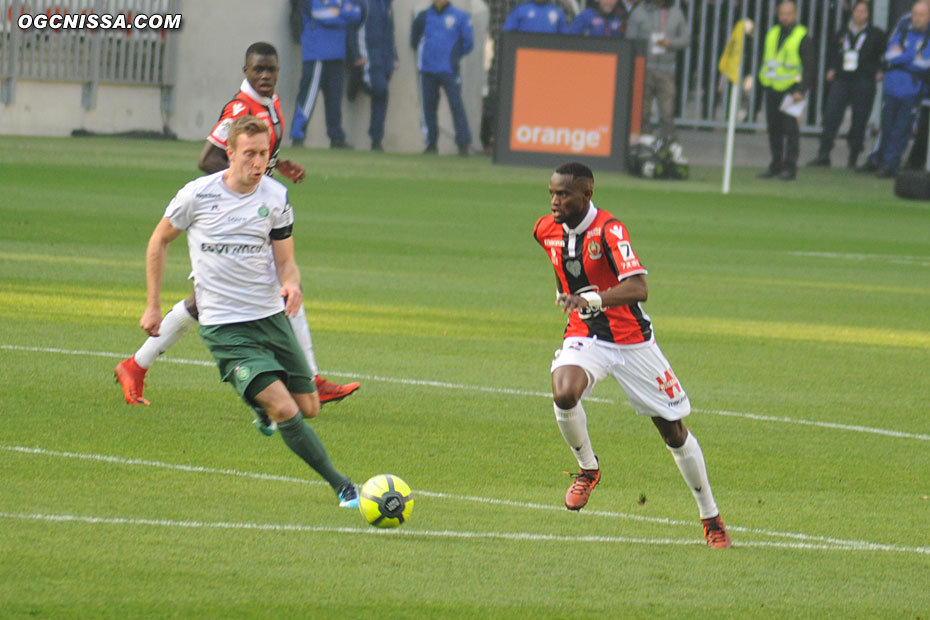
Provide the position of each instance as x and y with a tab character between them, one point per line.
309	404
564	401
564	393
311	412
281	410
674	434
568	384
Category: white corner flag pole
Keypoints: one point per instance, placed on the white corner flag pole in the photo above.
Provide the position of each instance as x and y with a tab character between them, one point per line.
731	130
733	112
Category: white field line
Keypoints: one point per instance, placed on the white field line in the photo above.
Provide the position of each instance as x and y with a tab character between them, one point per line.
805	541
412	533
508	391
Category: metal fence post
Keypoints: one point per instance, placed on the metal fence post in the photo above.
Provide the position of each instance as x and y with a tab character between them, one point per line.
9	51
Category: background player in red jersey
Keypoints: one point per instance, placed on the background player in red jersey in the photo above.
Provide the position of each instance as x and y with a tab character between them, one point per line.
600	285
256	97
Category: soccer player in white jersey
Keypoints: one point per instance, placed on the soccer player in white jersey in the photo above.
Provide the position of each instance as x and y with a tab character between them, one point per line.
246	281
256	97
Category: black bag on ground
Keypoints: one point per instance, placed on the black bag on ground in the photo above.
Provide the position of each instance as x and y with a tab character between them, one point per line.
913	184
654	159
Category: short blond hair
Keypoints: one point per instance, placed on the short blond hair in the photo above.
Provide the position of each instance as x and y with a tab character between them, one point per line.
248	125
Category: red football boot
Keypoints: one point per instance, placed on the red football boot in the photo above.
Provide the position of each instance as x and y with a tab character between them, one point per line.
577	495
131	377
333	392
715	533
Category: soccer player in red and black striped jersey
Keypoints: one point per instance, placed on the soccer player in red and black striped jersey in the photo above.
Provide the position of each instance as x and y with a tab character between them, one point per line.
601	285
256	97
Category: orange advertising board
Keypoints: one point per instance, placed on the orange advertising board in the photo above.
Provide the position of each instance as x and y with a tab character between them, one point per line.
563	102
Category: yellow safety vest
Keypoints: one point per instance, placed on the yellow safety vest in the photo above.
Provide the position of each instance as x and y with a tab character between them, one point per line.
781	67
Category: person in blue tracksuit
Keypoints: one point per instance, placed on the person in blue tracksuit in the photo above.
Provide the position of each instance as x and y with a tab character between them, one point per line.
536	16
441	36
324	51
607	19
907	61
373	54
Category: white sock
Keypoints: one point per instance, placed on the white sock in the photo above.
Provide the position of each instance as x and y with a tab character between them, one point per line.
176	323
690	461
302	331
574	426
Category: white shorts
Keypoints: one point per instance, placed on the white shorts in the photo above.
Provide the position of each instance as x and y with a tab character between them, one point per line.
640	369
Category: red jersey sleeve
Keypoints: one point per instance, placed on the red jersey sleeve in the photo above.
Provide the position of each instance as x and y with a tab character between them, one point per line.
233	110
620	254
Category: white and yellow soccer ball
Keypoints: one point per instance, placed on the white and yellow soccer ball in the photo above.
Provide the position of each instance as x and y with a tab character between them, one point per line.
385	501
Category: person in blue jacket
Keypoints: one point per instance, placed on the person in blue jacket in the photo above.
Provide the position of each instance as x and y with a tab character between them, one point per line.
323	44
608	19
441	36
373	54
536	16
907	61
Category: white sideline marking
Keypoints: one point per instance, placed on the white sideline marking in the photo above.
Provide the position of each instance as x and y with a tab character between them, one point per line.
807	541
514	536
843	427
514	392
284	527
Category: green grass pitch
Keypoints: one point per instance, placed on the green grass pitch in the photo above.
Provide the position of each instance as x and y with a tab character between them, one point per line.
795	315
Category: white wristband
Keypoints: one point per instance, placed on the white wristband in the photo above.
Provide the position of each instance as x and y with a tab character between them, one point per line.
593	299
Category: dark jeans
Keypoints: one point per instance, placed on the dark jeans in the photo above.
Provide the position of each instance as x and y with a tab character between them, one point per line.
375	80
429	94
897	123
859	93
317	75
784	133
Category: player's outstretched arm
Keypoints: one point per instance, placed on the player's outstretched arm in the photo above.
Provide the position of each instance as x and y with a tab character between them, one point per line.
630	290
288	275
155	256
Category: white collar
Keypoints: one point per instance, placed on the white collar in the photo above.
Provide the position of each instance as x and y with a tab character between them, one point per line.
251	92
587	221
854	30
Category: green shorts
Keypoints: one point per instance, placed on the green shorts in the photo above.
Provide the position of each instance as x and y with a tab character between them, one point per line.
253	355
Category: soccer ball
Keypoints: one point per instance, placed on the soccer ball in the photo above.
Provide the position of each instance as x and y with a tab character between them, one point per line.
385	501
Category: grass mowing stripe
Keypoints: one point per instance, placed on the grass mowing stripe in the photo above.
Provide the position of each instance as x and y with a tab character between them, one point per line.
512	536
511	391
816	541
922	261
809	332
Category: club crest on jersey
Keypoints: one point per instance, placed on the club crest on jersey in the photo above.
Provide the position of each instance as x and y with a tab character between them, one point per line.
573	267
594	250
450	21
669	384
263	211
242	373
